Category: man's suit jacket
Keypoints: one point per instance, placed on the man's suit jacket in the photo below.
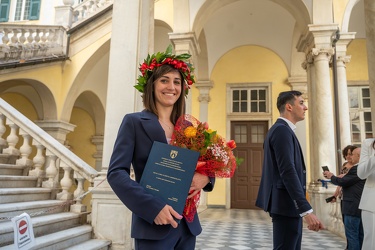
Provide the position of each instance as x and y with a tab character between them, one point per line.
135	137
352	187
283	185
366	169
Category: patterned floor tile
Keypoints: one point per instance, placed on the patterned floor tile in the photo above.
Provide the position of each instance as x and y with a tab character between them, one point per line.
241	229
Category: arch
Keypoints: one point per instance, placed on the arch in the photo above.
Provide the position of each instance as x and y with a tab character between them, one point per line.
93	77
347	14
91	103
37	93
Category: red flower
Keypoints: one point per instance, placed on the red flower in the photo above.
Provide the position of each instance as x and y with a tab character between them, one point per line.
231	144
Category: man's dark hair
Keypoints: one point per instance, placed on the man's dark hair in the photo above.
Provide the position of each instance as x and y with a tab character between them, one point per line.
286	97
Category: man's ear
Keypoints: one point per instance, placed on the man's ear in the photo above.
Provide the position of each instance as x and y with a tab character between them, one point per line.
288	106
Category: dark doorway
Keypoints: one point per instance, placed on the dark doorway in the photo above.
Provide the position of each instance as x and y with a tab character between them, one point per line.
249	137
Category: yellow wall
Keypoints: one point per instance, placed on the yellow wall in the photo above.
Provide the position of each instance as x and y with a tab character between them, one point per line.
24	106
357	69
80	141
245	64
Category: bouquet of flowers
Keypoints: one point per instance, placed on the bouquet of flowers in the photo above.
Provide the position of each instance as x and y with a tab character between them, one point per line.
216	156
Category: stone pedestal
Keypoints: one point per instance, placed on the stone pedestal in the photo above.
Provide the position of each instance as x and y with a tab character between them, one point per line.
114	220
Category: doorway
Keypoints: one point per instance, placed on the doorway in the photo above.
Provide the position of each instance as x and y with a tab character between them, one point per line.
249	137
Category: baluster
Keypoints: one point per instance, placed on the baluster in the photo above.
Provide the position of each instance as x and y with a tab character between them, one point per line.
38	160
66	183
12	139
3	142
51	171
25	150
78	207
6	36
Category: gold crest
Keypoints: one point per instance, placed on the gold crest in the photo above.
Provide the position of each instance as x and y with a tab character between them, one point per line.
173	154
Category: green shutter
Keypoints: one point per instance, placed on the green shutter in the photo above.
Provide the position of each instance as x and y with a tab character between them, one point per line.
4	10
34	9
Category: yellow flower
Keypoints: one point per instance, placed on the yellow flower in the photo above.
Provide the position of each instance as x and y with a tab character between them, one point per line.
190	132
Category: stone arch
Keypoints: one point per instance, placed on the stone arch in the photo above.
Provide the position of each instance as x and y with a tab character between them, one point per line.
93	77
347	14
161	37
37	93
91	103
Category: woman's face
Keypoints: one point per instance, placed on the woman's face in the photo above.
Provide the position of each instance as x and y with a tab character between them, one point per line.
167	89
348	157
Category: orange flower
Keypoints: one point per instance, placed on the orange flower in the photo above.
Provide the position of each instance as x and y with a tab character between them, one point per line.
190	132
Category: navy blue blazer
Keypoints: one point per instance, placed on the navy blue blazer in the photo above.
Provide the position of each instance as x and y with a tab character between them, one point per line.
283	184
135	137
352	188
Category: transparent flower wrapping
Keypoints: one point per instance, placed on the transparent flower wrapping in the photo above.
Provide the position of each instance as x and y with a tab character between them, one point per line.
216	156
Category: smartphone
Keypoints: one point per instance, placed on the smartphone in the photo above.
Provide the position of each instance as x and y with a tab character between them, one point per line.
329	199
325	168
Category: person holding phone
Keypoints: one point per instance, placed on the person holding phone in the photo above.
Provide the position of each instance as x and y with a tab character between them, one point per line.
352	188
282	191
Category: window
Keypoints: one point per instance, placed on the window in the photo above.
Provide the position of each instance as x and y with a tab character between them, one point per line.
249	100
360	113
4	10
27	10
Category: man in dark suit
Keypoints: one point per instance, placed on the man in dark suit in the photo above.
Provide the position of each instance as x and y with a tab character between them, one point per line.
282	191
352	188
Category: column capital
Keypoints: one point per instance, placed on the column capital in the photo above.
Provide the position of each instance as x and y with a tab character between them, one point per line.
204	84
185	43
57	129
343	42
317	36
204	90
299	83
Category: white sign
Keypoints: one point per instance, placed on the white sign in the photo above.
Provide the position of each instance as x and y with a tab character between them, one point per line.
23	232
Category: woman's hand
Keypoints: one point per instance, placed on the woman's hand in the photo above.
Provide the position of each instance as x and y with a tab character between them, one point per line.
199	181
166	216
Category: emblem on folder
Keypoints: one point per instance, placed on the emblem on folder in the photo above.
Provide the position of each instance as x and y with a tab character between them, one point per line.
173	154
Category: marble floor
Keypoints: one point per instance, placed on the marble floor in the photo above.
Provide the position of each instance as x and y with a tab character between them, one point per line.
241	229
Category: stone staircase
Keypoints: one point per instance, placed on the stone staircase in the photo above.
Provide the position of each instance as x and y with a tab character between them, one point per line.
54	227
41	185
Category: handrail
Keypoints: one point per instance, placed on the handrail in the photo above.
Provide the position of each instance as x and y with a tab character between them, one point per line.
50	143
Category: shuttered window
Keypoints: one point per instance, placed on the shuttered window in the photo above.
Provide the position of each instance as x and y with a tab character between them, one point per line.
4	10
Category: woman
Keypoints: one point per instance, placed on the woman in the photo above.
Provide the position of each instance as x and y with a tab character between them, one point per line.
366	170
154	226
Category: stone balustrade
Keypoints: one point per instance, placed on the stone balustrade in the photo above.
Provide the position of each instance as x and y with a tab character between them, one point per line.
88	8
51	161
23	43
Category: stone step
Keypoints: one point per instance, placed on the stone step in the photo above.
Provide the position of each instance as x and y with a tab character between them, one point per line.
15	170
42	207
7	181
11	195
42	225
93	244
60	240
8	159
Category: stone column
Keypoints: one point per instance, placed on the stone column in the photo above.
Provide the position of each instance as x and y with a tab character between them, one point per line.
324	131
299	83
370	43
342	85
110	218
187	43
97	140
204	98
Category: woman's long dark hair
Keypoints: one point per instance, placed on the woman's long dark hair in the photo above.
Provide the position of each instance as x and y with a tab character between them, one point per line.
149	97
